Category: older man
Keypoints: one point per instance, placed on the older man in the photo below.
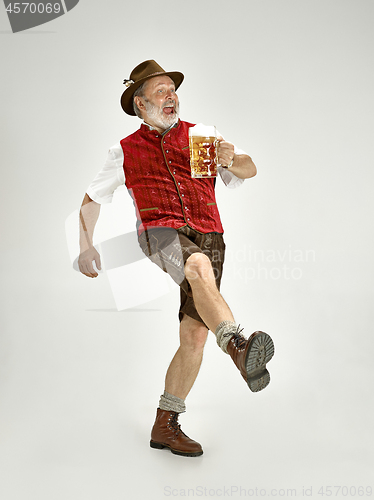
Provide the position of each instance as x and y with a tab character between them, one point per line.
180	230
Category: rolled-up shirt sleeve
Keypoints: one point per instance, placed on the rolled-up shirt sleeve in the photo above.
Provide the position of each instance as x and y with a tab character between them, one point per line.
109	178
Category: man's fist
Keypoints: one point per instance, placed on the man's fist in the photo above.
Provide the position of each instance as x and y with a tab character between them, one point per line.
85	261
226	152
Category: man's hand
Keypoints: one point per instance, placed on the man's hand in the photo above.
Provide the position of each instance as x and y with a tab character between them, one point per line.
242	166
85	261
226	152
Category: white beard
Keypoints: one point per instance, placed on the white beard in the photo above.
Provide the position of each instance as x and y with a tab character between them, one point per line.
159	118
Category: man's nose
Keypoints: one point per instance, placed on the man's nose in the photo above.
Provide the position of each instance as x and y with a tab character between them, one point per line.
170	94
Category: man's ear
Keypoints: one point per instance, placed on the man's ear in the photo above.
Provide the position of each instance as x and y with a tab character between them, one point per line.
139	102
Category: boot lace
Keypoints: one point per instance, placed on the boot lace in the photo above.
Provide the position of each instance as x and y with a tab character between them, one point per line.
173	423
238	339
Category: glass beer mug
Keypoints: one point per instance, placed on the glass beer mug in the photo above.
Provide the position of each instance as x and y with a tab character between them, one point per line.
203	150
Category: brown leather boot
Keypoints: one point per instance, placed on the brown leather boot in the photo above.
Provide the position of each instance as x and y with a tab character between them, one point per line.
167	433
251	357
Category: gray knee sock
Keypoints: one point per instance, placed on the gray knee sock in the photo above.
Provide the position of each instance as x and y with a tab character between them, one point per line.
169	402
223	328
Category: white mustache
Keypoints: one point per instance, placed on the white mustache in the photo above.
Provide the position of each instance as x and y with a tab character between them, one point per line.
169	104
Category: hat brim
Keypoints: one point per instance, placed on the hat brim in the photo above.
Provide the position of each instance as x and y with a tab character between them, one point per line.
127	96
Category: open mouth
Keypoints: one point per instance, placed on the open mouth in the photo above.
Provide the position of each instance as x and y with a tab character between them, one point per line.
168	110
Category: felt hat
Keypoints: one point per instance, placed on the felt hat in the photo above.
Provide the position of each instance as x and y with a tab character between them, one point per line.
140	74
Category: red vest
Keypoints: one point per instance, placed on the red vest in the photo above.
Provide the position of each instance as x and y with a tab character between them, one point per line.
158	177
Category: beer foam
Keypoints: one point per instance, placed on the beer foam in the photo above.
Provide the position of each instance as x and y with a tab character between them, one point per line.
203	130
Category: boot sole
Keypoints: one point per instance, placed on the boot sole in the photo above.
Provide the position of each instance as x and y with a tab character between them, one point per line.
160	446
260	352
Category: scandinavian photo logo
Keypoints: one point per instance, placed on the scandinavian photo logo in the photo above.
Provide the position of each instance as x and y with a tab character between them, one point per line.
24	15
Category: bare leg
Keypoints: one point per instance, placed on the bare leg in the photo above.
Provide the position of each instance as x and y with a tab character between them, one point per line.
185	365
209	302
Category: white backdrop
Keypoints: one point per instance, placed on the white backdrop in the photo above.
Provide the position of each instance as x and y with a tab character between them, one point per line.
290	82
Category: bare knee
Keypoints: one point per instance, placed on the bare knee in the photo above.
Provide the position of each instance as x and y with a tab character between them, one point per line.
193	334
198	268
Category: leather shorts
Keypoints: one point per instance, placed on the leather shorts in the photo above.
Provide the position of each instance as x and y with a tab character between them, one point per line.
170	248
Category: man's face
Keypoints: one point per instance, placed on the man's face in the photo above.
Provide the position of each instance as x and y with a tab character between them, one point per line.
160	104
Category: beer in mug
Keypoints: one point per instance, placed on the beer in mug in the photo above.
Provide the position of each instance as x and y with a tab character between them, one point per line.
203	151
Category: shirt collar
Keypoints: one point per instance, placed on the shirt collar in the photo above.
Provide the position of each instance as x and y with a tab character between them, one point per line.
166	131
